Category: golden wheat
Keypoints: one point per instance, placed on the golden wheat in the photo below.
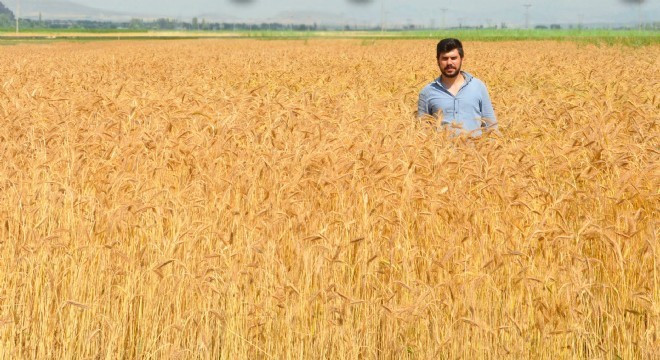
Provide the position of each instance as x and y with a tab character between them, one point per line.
277	199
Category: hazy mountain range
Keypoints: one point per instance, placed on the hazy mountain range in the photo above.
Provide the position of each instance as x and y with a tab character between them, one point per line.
401	13
63	10
70	10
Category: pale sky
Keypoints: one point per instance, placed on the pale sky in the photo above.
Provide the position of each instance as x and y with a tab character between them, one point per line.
424	12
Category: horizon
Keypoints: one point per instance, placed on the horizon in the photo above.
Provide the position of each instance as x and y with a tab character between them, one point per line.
393	13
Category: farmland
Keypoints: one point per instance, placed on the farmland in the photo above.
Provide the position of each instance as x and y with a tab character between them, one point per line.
277	199
584	36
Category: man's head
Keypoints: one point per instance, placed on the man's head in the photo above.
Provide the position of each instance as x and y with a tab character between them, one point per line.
450	57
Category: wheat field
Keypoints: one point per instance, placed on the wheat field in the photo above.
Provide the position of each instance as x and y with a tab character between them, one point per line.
246	199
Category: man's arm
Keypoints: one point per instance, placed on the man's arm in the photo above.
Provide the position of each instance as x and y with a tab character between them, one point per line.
422	105
487	111
423	110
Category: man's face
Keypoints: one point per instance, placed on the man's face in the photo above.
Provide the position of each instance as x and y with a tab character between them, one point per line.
450	63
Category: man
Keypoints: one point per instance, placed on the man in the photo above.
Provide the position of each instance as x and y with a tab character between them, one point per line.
458	99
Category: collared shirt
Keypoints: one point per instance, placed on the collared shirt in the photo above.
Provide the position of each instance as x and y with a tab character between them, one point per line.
469	111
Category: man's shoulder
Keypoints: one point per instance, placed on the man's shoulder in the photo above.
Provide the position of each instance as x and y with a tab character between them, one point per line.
431	86
474	80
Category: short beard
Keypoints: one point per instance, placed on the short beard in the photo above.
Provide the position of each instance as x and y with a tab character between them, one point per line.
458	71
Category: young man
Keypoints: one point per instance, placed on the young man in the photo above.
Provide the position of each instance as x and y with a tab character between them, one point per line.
459	99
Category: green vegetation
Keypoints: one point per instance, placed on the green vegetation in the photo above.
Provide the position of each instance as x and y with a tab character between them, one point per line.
590	36
72	30
595	36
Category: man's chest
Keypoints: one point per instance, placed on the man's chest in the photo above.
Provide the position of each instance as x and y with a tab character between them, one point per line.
454	89
453	106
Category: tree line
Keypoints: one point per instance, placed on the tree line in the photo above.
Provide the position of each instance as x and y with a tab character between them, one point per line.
8	22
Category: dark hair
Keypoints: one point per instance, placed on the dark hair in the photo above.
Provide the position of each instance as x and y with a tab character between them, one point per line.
447	45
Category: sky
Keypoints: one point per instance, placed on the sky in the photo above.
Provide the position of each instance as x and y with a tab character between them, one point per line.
422	12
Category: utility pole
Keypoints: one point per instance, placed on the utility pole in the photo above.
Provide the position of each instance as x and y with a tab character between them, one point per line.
444	11
18	13
580	18
527	6
382	15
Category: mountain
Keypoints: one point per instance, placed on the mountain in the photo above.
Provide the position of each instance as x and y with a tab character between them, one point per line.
68	10
6	12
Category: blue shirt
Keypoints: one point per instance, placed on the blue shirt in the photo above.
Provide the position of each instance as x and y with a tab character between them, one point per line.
469	111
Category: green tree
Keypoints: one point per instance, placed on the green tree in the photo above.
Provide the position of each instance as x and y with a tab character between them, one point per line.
136	24
6	21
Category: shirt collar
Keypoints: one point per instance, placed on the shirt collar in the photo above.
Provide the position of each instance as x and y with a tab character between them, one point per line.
467	75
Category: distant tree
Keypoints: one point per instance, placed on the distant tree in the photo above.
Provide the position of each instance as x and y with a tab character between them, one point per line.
165	24
5	21
136	24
